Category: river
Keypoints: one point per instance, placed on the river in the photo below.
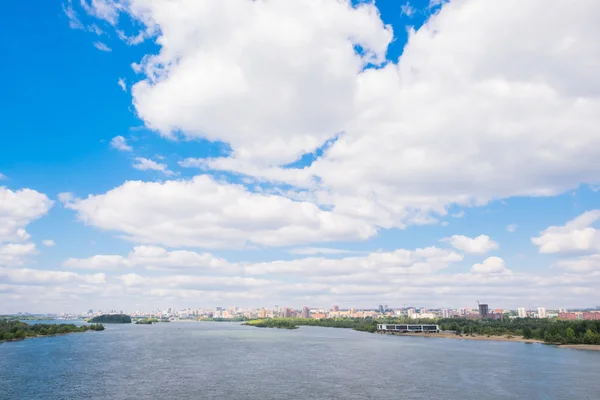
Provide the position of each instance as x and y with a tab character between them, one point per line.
204	360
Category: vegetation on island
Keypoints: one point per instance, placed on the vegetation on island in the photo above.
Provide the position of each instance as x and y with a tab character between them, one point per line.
11	330
111	319
551	331
273	323
358	324
237	318
150	321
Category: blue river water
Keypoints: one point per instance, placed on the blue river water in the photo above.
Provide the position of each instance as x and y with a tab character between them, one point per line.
203	360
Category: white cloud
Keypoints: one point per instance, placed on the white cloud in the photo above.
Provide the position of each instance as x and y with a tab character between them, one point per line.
205	213
145	164
511	228
120	143
321	250
48	243
462	112
154	258
491	265
15	253
107	10
122	84
400	262
479	245
17	210
577	236
581	264
74	22
282	108
407	10
459	214
102	46
45	277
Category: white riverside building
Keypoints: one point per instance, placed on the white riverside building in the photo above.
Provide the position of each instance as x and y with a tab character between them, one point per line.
408	328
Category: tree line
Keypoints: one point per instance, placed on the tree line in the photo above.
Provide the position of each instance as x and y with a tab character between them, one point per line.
548	330
17	330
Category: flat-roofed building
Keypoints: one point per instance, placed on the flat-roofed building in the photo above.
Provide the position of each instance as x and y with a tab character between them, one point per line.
408	328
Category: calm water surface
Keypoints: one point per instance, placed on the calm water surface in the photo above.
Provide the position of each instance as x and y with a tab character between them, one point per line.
203	360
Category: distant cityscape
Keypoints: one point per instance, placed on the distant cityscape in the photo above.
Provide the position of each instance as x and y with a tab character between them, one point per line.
482	311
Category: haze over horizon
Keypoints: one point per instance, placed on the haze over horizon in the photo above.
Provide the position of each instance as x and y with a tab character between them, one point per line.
194	153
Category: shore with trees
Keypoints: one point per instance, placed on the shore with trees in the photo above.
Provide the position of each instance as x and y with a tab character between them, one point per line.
16	330
570	334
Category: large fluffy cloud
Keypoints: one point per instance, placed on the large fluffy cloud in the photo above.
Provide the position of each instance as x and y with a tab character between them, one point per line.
577	243
205	213
576	236
481	105
17	210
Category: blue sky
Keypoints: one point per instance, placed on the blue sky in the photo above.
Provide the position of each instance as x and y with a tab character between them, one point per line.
438	129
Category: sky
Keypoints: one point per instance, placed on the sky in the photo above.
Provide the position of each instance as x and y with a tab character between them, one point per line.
193	153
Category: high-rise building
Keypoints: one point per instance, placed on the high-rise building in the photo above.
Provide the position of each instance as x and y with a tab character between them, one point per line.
381	308
483	311
305	312
445	313
522	312
562	310
541	312
411	312
262	313
385	308
287	313
336	308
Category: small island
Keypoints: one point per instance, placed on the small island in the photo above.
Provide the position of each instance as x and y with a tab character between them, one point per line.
273	323
11	331
111	319
146	321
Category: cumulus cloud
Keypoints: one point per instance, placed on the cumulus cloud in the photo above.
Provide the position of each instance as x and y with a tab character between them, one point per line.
576	236
120	143
45	277
145	164
465	116
48	243
15	253
205	213
17	210
401	167
577	243
154	258
491	265
479	245
400	262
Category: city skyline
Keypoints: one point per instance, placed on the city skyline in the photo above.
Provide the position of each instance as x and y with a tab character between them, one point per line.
299	152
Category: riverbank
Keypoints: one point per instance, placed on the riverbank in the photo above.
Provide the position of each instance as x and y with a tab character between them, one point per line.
448	335
593	347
